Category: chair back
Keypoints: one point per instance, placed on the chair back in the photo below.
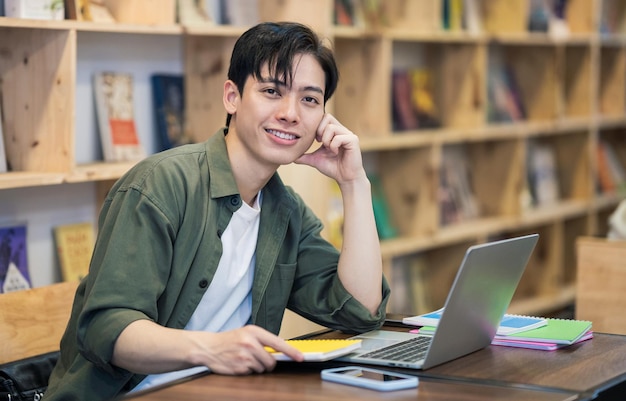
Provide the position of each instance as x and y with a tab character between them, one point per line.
33	321
601	283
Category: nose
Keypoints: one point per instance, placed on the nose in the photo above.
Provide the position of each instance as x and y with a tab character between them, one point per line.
288	110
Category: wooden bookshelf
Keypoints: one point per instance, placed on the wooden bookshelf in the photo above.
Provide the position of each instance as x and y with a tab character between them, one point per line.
572	89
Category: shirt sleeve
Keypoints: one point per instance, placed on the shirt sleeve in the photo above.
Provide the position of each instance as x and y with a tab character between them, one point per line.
128	272
319	295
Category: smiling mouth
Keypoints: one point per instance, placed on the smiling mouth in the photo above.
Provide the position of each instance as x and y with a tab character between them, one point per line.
281	135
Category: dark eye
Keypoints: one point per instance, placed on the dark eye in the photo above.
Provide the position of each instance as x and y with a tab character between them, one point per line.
311	99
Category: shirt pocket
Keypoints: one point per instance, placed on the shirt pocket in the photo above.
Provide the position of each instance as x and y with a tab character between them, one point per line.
277	294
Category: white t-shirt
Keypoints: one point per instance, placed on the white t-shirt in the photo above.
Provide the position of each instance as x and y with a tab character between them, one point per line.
227	303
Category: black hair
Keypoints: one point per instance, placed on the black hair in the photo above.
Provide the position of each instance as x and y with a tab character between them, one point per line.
276	44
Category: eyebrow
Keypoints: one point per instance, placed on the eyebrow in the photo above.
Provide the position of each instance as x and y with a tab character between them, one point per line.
278	82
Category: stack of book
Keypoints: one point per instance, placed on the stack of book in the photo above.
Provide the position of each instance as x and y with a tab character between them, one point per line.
558	333
521	331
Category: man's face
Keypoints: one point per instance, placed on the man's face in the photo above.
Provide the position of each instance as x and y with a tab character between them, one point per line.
277	123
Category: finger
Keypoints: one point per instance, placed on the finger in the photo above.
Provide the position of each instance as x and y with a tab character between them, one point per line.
283	346
271	340
327	120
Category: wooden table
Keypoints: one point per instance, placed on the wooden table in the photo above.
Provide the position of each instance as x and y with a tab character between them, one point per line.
588	368
299	383
595	369
591	369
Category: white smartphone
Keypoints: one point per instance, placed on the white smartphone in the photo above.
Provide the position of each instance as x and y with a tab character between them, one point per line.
374	379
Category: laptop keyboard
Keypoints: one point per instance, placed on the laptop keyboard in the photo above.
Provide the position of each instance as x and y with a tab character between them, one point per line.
411	350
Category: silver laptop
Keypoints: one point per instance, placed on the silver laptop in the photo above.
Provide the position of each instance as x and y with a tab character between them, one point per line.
479	297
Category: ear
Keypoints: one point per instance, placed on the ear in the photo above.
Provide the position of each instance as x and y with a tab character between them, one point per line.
231	97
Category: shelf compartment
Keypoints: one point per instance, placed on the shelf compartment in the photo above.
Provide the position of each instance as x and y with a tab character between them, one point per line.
545	304
37	76
579	16
576	85
558	170
315	14
522	82
544	273
497	196
206	67
422	280
454	83
572	229
409	182
504	16
612	80
422	16
364	88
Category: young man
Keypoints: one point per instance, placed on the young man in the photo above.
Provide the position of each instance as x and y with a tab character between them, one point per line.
201	248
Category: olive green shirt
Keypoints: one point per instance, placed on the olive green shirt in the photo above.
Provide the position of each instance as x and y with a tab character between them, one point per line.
158	248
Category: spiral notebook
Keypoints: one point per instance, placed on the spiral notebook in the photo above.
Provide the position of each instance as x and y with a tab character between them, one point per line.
538	345
557	331
319	350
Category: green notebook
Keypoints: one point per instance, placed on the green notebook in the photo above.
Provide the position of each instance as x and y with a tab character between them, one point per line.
558	331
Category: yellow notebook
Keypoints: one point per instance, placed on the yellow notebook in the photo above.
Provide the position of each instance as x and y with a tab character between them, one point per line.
319	350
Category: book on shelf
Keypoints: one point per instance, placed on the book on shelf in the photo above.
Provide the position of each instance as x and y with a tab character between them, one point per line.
344	12
115	113
456	197
423	98
238	12
71	9
88	10
3	154
168	93
543	180
452	12
548	16
539	15
14	274
74	244
35	9
606	181
404	117
319	350
472	18
611	172
448	208
504	99
611	17
382	214
413	102
509	324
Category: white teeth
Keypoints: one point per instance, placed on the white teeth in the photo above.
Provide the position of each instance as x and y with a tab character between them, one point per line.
281	135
